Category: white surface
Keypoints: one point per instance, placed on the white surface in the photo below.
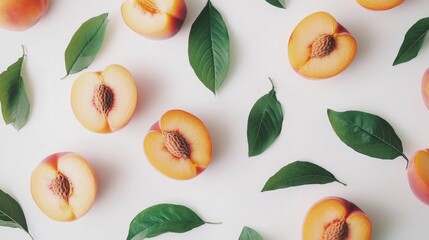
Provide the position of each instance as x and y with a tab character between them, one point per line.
229	190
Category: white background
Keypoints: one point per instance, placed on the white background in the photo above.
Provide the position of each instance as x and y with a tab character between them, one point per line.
229	190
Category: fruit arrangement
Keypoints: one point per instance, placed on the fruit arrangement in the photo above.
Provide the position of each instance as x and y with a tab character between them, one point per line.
178	119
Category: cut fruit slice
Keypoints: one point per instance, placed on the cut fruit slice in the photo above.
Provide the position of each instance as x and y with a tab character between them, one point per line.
104	101
179	145
64	186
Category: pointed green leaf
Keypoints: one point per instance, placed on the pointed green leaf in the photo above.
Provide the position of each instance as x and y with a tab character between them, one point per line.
367	134
264	123
277	3
85	44
163	218
13	97
11	214
413	41
299	173
208	48
249	234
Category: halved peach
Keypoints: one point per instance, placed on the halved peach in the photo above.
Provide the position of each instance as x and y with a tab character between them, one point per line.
418	175
155	19
319	47
379	4
179	145
335	218
64	186
425	88
104	101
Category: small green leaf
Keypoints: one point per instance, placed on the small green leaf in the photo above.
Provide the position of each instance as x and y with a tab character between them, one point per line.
249	234
367	134
208	48
85	44
277	3
413	41
163	218
299	173
11	214
264	123
13	97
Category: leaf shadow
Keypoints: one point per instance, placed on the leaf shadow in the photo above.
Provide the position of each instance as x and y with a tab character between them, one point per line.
28	85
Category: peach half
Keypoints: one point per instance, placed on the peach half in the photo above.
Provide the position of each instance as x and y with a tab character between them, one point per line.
104	101
64	186
335	218
319	47
154	19
418	175
19	15
179	145
425	88
379	4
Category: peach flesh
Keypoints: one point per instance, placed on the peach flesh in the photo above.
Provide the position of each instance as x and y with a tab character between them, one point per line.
19	15
379	4
64	186
178	145
319	47
154	19
418	175
335	218
105	101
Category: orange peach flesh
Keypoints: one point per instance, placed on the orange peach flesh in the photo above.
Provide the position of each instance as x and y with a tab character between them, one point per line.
19	15
120	102
418	175
336	219
379	4
189	131
306	39
155	19
74	195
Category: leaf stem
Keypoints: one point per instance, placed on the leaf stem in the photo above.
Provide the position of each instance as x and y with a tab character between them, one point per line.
406	158
213	223
272	83
30	236
23	51
342	183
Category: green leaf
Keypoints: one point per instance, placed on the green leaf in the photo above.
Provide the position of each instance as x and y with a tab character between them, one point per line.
299	173
208	48
413	41
13	97
163	218
367	134
264	123
85	44
277	3
249	234
11	214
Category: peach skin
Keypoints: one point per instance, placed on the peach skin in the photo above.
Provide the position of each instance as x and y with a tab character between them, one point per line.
379	4
179	145
105	101
425	88
19	15
319	47
418	175
335	218
64	186
154	19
